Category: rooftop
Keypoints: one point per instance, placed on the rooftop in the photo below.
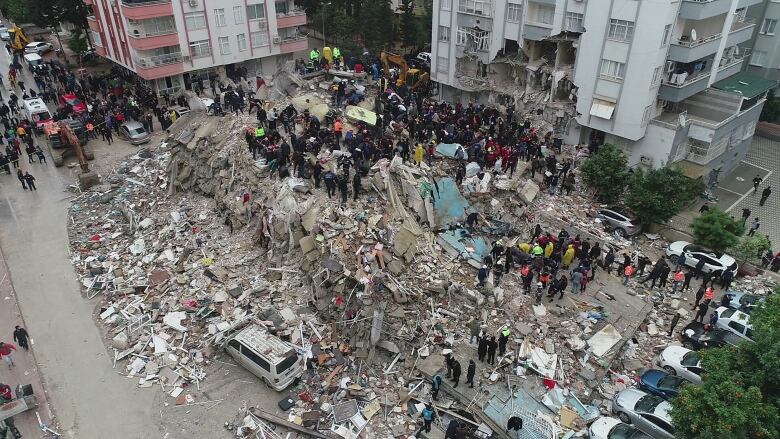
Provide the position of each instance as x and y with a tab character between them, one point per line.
746	85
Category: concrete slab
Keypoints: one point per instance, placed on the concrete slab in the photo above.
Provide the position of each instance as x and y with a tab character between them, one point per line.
450	206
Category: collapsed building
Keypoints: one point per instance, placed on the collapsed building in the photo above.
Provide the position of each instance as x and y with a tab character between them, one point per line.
662	82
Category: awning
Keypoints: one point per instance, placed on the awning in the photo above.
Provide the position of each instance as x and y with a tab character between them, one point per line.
602	109
745	84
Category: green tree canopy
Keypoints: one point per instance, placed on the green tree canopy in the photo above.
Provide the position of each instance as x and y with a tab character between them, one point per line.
606	172
716	229
659	194
751	248
16	10
739	397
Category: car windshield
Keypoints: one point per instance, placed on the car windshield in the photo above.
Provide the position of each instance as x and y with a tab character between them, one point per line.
699	249
728	312
748	299
73	101
726	336
648	403
670	382
286	363
625	431
41	116
690	359
139	130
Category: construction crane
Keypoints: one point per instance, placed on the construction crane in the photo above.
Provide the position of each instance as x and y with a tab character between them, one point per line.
413	78
18	39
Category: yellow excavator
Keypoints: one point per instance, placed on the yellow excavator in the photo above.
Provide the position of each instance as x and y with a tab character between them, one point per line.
413	78
18	39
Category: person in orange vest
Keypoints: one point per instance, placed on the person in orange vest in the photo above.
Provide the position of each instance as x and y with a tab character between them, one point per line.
627	273
679	277
709	295
90	131
337	128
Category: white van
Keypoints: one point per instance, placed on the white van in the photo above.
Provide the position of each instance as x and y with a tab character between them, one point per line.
735	321
33	59
36	111
267	356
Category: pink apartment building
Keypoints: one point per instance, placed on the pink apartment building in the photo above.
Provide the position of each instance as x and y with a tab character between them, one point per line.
174	43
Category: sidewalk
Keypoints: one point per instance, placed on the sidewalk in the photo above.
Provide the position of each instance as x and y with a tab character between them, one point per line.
26	370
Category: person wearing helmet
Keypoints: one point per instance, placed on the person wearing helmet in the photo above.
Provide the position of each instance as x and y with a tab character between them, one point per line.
539	292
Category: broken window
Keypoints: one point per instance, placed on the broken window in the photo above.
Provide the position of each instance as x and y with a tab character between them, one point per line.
573	22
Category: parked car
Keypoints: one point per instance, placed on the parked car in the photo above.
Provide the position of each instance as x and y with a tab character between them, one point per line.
744	302
735	321
714	262
611	428
38	47
179	110
4	35
683	362
424	57
649	413
134	132
266	356
73	100
659	383
89	55
695	337
619	220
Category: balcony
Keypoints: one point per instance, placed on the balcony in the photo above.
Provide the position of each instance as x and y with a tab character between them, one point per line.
100	50
700	9
88	2
143	9
297	43
291	19
93	23
675	88
685	50
536	32
160	66
141	41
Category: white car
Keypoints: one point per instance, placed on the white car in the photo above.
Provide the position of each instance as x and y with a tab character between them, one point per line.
683	362
38	47
4	34
424	57
714	262
734	321
611	428
648	413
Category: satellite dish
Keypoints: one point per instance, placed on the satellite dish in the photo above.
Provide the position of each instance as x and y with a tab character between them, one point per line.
693	35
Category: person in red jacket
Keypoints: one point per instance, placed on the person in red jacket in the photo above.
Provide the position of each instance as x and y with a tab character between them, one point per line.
6	349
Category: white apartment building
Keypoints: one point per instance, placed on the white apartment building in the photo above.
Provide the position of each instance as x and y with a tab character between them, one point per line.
660	78
765	45
173	44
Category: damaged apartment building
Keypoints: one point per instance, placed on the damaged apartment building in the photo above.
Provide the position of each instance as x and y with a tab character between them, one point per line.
663	80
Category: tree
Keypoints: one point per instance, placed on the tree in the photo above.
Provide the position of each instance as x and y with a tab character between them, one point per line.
659	194
751	248
77	43
606	172
716	229
375	25
16	10
739	396
771	110
408	23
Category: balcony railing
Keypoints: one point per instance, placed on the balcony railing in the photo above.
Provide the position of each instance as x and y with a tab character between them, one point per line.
140	33
294	13
140	3
159	60
735	26
291	38
697	76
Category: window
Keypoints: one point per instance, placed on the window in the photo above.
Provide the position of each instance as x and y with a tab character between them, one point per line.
573	22
281	7
442	64
241	42
740	328
514	12
286	363
200	48
444	33
255	12
476	7
153	26
96	39
445	5
758	58
667	31
543	14
255	358
224	45
657	74
195	21
238	15
219	17
620	30
768	28
460	36
612	69
259	39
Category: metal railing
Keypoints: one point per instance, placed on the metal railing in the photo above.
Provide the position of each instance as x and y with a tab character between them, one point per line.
697	76
159	60
141	3
735	26
140	33
294	13
292	38
671	125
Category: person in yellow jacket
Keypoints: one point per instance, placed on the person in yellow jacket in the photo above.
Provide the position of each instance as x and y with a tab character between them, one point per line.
568	256
418	154
524	247
549	249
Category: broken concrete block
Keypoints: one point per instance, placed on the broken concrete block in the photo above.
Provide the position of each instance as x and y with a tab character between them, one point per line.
529	191
120	341
146	223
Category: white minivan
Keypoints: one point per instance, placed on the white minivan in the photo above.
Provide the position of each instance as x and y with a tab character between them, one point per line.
267	356
735	321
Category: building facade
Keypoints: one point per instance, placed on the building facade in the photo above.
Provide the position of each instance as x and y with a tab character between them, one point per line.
765	54
648	76
174	43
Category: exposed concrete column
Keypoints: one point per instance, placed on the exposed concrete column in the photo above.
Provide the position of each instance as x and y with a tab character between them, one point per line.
724	36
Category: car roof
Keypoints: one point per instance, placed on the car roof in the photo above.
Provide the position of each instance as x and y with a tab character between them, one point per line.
35	43
629	397
699	249
132	124
622	211
260	341
737	316
653	376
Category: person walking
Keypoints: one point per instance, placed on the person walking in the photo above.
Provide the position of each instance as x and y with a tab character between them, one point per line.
675	320
702	312
456	370
756	182
764	195
6	351
491	350
30	180
20	176
754	226
699	296
470	373
627	273
21	337
40	154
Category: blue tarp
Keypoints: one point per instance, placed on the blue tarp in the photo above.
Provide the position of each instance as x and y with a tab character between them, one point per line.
459	239
447	149
449	206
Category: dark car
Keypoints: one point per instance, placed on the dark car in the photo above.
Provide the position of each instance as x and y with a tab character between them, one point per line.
744	302
695	337
660	383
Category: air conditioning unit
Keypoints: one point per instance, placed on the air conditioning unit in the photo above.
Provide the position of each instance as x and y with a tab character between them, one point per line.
277	40
193	3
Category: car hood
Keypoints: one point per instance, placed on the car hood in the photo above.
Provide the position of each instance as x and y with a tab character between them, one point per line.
601	427
727	260
678	246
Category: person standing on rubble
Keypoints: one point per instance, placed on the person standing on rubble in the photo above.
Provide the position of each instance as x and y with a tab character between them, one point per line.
330	183
356	186
470	373
679	277
664	276
427	416
482	275
539	293
419	152
675	320
702	312
628	271
343	188
503	339
474	330
576	281
699	296
456	370
482	347
435	386
491	350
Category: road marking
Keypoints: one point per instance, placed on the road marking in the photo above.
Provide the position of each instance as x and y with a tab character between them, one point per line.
729	190
759	167
748	192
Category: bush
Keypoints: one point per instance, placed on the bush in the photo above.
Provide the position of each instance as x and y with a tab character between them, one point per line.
716	229
658	194
606	173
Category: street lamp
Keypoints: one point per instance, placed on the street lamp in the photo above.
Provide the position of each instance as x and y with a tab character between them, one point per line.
324	8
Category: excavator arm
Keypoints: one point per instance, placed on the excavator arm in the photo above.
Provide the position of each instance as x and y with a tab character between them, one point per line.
398	60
